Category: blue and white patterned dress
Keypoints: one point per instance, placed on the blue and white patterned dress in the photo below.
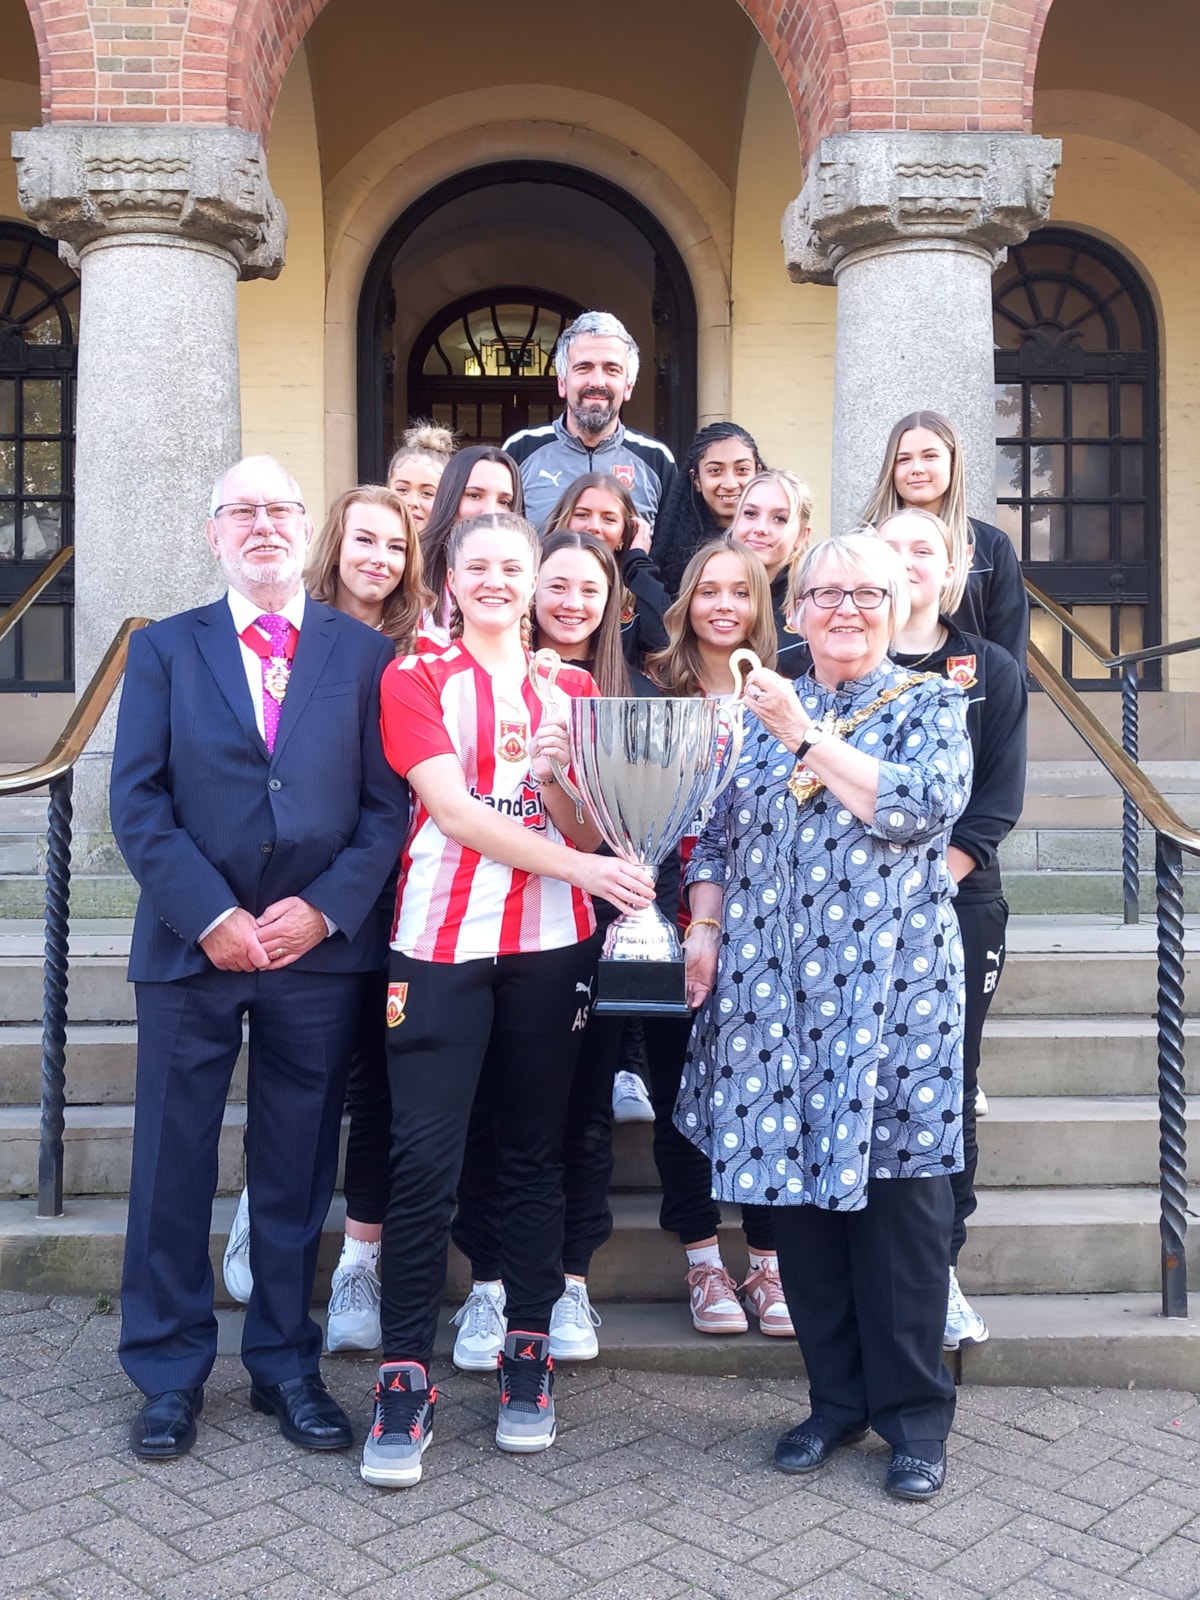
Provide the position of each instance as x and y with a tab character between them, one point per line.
830	1048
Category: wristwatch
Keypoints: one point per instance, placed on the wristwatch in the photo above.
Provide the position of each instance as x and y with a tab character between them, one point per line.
815	734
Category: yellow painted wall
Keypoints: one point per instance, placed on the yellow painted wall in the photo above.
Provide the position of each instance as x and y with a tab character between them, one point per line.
281	324
1154	217
20	107
783	333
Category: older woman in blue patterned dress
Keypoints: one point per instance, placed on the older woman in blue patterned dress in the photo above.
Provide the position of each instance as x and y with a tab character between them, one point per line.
824	1076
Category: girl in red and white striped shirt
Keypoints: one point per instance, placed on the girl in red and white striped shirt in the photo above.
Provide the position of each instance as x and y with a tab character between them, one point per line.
493	957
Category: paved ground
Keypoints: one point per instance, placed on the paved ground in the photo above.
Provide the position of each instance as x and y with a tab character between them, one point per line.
659	1486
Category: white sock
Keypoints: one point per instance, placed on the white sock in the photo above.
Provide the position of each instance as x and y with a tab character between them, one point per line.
359	1252
762	1258
706	1255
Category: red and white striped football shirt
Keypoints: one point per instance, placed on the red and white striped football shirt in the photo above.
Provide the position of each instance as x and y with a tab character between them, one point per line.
452	904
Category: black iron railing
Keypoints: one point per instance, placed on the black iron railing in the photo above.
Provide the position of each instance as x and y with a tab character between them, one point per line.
1173	836
57	771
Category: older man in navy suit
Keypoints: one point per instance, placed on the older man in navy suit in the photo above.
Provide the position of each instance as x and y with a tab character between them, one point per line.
253	803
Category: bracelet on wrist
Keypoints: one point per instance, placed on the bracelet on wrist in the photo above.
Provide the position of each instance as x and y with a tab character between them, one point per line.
542	783
701	922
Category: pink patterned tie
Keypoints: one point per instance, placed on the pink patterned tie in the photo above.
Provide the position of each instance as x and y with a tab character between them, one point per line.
275	672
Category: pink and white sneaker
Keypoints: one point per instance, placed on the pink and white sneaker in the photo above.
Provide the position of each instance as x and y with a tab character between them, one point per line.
764	1296
715	1304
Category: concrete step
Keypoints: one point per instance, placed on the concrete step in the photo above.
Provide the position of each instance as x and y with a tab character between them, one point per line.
1102	893
22	895
1022	1056
1030	1241
1034	1056
1108	1340
1037	1141
1076	850
1081	794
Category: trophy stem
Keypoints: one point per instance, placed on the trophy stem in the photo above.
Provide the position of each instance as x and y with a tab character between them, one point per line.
642	967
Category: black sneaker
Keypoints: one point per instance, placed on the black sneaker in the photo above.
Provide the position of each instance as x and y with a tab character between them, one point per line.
402	1426
526	1373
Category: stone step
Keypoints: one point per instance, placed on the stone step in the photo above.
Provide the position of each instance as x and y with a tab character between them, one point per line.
1101	893
1030	1241
1034	1056
1040	1141
22	895
1022	1056
1076	850
1107	1340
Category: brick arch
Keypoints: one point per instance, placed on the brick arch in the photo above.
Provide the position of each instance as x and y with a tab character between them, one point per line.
847	64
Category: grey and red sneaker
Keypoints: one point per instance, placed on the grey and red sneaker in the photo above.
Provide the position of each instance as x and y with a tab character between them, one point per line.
402	1426
526	1373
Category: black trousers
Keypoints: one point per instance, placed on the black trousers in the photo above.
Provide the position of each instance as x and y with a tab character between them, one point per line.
867	1294
302	1027
983	925
517	1022
369	1104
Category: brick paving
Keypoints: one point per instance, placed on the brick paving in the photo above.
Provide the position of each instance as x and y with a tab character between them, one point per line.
660	1485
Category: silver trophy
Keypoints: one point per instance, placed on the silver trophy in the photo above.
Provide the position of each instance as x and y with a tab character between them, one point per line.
646	770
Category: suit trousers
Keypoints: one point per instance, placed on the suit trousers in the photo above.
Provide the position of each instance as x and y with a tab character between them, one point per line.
867	1292
302	1032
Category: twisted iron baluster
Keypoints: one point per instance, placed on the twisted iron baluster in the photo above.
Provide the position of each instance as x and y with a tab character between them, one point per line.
1129	812
1172	1102
54	1002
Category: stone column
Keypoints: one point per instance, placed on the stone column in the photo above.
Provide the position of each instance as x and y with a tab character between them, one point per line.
910	227
160	224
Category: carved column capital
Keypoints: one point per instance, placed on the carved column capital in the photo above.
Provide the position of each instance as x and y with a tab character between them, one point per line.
84	184
870	190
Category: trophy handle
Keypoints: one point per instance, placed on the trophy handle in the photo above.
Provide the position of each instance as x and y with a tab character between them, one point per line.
739	660
544	668
730	714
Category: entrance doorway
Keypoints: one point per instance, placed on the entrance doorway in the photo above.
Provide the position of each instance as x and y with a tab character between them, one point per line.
500	258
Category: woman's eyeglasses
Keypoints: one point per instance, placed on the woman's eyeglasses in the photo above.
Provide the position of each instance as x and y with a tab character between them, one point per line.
866	598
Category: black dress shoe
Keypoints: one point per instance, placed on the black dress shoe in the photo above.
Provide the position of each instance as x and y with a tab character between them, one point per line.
308	1414
809	1446
166	1424
914	1477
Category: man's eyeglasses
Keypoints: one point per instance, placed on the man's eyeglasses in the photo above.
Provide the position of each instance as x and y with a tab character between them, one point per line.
242	512
866	598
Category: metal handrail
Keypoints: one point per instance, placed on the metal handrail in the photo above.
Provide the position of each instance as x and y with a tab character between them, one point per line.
1090	643
83	721
58	770
1172	837
43	581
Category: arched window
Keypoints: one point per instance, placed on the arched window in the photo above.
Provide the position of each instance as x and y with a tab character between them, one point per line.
484	365
39	328
1077	445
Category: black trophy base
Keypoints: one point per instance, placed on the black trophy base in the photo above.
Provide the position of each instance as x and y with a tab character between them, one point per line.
641	988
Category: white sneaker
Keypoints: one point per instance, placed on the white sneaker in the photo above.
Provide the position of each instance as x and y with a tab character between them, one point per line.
630	1102
235	1267
573	1324
964	1325
981	1105
481	1328
353	1321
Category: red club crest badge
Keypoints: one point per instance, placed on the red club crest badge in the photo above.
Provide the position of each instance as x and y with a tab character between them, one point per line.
624	473
397	997
961	670
513	742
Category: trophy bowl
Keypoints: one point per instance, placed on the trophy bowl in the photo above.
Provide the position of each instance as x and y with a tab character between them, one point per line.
647	771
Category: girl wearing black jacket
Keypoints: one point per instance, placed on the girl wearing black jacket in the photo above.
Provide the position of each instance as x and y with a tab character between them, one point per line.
774	519
996	714
702	500
923	467
599	504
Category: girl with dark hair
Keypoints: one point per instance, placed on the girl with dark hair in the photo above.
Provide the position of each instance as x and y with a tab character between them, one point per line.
415	470
923	467
493	952
600	504
477	481
701	504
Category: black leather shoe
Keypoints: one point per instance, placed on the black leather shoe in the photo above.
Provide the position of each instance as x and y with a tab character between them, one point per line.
913	1477
809	1446
166	1425
308	1414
